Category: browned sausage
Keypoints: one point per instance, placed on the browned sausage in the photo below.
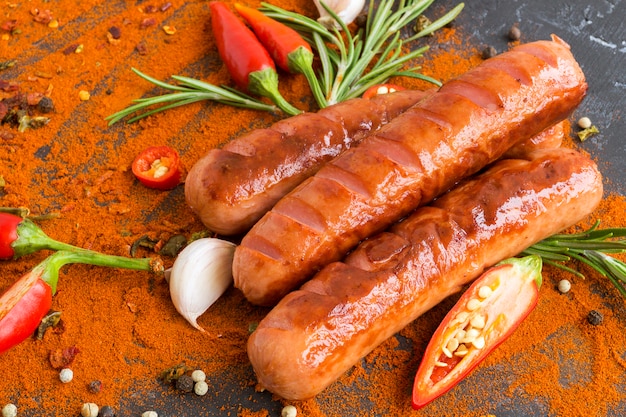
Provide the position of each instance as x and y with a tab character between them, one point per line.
317	333
550	138
232	187
470	122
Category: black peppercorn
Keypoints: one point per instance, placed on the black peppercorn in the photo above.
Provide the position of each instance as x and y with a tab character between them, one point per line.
489	52
115	32
514	33
184	383
95	386
45	105
595	317
106	411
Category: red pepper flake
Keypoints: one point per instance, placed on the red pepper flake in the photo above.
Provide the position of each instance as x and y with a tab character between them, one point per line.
141	48
61	358
33	98
42	16
150	8
71	49
9	25
147	22
8	86
166	6
115	32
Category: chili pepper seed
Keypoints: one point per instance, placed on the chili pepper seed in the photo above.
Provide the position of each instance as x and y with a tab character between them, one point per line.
595	318
9	410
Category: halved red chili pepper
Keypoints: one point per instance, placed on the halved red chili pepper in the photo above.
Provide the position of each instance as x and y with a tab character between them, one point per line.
158	167
248	62
485	315
378	89
20	236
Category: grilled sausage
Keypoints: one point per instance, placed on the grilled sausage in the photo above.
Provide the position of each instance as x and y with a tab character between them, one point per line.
318	332
468	123
232	187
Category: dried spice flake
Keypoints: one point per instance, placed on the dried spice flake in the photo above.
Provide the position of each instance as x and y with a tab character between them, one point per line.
61	358
585	134
170	30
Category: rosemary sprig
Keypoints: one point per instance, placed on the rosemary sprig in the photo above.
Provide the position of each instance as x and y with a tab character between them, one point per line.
590	247
188	90
353	63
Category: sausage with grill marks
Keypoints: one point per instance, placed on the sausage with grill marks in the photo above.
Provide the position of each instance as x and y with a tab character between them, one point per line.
317	333
232	187
468	123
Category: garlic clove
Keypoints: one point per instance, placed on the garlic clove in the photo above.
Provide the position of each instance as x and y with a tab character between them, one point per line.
346	10
200	275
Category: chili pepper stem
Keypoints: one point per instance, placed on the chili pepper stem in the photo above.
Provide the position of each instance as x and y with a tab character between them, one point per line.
301	61
32	239
50	266
265	83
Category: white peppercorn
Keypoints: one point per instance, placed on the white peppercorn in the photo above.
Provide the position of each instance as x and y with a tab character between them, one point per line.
289	411
89	410
66	375
9	410
201	388
564	286
198	375
150	414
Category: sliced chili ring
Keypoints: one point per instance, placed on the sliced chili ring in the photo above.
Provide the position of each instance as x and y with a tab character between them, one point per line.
484	317
158	167
379	89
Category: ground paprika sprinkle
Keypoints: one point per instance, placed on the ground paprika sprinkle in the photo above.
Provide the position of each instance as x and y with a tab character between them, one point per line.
76	172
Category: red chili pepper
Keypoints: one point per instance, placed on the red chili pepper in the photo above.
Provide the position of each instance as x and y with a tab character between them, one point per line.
22	307
284	44
248	62
158	167
485	315
378	89
20	236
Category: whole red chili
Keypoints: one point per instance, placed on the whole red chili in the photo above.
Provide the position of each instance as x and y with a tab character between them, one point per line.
20	236
288	49
158	167
248	62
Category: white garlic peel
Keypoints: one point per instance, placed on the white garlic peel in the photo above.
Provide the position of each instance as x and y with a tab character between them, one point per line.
346	10
200	275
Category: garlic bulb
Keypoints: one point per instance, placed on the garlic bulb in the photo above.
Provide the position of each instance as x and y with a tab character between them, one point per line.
200	275
347	10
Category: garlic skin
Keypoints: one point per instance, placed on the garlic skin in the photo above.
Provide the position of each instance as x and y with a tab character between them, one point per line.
347	10
200	275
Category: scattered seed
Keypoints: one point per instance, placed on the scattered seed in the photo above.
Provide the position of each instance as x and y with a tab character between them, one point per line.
66	375
9	410
84	95
184	383
595	317
564	286
198	375
201	388
95	386
452	344
89	410
484	291
515	33
461	351
489	52
460	335
462	316
478	321
54	23
471	335
289	411
446	352
441	364
473	304
479	342
106	411
584	123
170	30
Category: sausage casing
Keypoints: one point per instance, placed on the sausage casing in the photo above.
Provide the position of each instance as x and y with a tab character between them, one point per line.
232	187
315	334
470	122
